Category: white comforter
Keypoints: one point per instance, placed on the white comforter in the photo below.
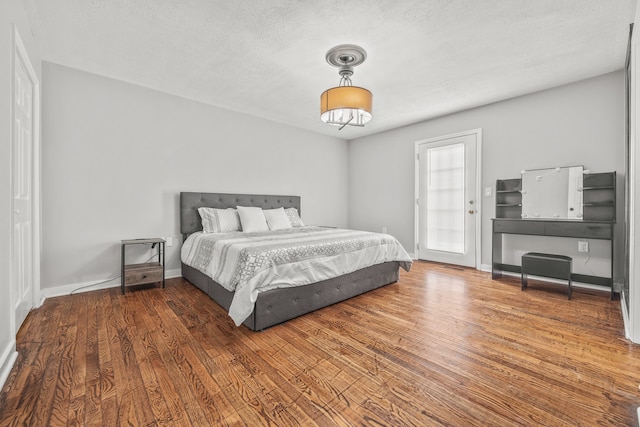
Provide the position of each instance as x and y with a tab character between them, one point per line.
250	263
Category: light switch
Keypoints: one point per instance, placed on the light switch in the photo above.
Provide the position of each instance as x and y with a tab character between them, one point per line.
487	192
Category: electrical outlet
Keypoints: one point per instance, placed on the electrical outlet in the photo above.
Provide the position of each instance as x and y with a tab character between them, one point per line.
169	241
583	246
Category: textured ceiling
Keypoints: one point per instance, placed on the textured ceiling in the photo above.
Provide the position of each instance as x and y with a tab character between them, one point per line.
426	58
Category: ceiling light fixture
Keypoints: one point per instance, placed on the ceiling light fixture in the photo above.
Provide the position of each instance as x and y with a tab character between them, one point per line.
346	104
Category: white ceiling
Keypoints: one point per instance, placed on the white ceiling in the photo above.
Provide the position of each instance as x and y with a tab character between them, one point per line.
426	58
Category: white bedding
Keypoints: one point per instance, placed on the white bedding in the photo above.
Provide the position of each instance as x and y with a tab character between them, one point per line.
250	263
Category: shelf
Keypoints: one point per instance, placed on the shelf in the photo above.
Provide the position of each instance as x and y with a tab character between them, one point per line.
599	196
599	180
598	188
142	241
508	201
143	266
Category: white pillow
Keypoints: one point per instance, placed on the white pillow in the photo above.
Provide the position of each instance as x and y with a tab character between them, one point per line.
294	218
277	219
252	219
219	220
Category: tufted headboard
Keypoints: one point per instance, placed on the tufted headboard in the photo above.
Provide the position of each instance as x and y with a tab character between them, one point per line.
190	221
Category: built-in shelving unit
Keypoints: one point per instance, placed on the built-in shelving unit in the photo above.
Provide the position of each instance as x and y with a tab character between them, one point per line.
599	196
509	198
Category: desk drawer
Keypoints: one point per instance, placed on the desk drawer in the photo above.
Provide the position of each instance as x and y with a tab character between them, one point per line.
579	229
519	227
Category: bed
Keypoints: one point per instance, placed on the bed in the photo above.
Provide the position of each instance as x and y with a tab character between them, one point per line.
278	305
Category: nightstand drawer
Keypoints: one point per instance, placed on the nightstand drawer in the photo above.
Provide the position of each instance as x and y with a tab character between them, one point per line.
135	274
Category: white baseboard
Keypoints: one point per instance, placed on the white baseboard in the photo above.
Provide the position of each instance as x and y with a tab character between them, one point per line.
93	286
172	274
485	267
625	318
8	358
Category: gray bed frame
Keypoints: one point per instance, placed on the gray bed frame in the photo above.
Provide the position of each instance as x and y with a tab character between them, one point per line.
277	305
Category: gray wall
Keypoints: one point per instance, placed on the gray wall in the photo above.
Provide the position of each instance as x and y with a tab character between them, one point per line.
11	12
577	124
116	156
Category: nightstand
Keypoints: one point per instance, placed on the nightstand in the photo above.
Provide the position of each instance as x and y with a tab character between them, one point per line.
148	272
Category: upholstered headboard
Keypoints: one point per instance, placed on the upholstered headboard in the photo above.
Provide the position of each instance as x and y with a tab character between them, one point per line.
190	221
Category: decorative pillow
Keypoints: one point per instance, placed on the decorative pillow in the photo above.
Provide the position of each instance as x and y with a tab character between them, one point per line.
219	220
252	219
277	219
294	218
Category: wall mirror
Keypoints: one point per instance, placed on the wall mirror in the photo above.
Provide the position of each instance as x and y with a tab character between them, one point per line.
554	193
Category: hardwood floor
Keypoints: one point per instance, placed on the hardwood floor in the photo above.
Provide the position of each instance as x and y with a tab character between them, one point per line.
443	346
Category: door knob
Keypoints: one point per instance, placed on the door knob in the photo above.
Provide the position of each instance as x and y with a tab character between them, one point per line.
471	211
470	202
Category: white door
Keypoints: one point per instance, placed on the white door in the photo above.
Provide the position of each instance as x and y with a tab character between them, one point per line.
22	241
447	212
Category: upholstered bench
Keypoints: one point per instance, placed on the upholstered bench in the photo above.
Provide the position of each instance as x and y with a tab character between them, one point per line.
546	265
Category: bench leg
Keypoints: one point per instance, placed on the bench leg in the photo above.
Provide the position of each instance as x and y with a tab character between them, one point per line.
569	291
523	284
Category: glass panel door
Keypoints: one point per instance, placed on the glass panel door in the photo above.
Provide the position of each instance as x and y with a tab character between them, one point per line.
445	198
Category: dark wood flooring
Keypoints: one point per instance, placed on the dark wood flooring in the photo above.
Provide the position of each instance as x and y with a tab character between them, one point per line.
443	346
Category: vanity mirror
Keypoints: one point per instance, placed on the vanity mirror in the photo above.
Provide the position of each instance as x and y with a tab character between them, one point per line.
554	193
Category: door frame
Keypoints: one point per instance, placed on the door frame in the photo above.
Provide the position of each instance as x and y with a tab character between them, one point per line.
19	53
478	193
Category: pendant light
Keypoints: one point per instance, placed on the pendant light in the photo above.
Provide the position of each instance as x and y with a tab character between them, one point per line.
346	104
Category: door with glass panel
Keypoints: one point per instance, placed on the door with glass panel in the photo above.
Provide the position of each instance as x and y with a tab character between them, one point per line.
447	199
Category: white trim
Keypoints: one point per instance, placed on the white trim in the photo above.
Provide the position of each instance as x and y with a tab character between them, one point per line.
79	288
634	193
12	292
7	360
478	197
19	50
89	286
485	268
625	316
